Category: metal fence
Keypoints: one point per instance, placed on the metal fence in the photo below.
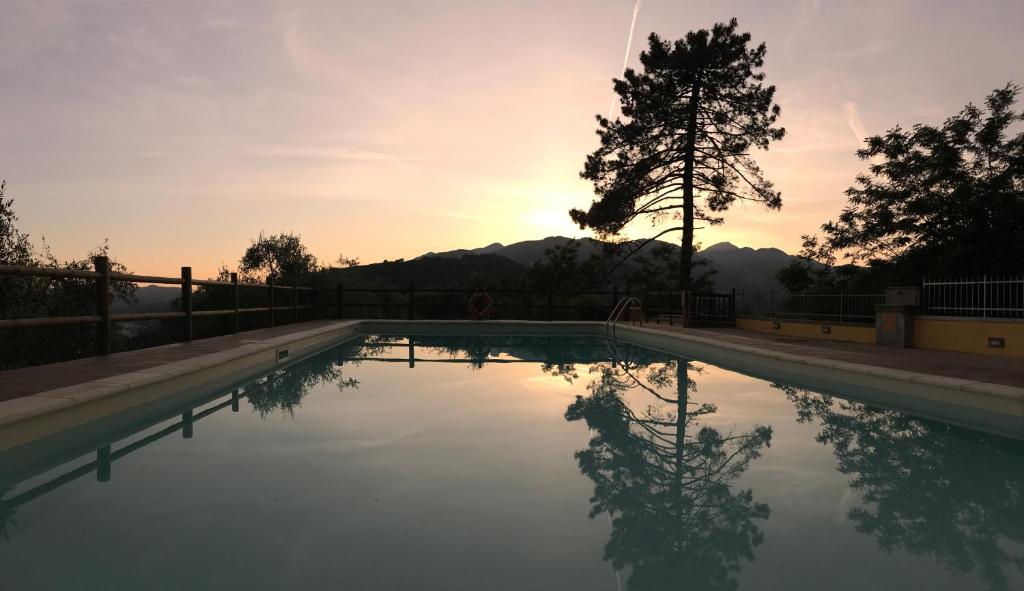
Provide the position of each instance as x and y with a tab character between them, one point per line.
987	297
829	307
701	309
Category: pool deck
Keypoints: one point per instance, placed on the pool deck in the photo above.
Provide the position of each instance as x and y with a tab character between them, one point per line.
973	367
17	383
1007	371
973	390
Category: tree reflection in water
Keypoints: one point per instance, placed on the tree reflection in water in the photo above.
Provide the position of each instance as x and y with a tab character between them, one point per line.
928	488
283	390
665	481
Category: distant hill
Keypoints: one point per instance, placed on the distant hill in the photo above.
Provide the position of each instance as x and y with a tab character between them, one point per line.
151	298
743	268
434	270
528	252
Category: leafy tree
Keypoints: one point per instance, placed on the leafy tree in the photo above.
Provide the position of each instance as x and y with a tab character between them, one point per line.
15	247
28	297
562	268
665	481
347	263
945	199
659	270
682	153
277	256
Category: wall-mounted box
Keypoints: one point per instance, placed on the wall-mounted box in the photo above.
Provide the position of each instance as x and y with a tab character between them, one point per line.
902	296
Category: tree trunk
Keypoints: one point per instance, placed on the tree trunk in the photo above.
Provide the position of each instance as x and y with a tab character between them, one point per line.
689	155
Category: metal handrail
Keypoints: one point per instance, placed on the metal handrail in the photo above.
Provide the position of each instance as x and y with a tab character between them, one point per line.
626	303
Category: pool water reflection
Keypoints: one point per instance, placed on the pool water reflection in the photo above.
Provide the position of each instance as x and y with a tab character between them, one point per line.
515	463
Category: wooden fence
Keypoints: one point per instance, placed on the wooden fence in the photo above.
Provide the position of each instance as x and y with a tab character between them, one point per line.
104	318
339	301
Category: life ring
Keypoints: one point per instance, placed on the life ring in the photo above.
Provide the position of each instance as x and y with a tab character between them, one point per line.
481	304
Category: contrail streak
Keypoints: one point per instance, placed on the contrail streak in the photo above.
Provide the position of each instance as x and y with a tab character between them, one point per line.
629	45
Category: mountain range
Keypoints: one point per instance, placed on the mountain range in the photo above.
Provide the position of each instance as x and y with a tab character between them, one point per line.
741	268
744	269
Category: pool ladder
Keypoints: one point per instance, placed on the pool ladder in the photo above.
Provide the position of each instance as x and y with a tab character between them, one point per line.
628	303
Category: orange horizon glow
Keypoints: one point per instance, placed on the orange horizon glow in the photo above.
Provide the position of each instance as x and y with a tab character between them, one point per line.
386	130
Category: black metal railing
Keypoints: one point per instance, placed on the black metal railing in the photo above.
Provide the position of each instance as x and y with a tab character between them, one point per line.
696	309
827	307
414	303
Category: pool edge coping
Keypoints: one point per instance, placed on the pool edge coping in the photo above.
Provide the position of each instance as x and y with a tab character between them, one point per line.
308	342
957	384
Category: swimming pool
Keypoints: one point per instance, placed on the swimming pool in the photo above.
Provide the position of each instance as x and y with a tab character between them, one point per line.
474	462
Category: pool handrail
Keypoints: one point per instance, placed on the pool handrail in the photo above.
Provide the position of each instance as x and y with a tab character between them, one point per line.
626	303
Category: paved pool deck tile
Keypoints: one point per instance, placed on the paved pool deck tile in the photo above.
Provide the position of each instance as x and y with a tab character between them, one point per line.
971	367
17	383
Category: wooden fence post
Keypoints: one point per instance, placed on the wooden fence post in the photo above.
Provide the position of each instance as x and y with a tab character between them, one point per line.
234	299
340	304
102	265
270	291
186	302
412	301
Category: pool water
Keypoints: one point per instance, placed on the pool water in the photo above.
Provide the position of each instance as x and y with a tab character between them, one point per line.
518	463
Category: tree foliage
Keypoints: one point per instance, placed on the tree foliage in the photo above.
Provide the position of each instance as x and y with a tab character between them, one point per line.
277	256
30	297
15	246
683	150
563	268
946	199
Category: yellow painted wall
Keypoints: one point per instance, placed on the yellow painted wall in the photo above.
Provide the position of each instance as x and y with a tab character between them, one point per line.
930	332
968	336
811	330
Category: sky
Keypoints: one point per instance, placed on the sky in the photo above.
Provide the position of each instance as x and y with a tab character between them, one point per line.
179	131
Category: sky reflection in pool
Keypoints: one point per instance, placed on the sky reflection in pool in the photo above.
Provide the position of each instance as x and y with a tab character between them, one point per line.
522	463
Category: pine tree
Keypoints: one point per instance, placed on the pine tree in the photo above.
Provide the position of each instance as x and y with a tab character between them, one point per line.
682	150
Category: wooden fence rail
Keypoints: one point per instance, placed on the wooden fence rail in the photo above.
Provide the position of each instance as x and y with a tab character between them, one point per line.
104	318
410	303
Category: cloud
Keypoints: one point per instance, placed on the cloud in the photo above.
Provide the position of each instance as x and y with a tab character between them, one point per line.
853	121
320	66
